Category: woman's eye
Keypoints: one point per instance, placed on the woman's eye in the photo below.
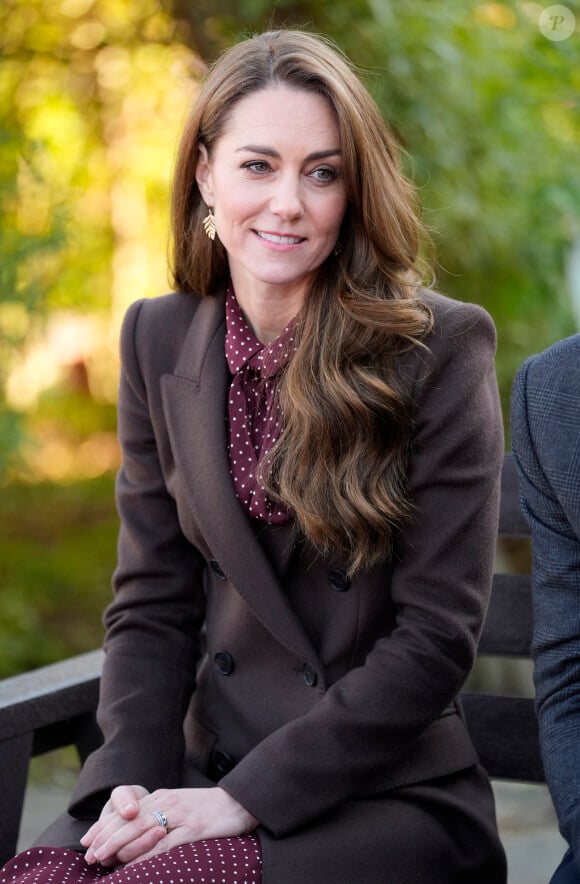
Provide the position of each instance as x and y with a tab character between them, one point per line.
258	166
324	174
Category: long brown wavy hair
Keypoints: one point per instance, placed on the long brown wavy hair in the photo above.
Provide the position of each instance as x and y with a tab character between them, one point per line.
340	462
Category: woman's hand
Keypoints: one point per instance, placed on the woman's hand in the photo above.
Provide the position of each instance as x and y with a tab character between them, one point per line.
127	830
123	805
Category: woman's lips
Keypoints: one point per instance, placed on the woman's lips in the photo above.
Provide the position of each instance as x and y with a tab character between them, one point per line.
280	239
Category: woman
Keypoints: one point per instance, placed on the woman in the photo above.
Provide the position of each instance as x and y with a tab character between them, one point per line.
308	501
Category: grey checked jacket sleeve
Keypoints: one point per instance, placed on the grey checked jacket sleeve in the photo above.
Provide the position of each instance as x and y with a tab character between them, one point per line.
545	419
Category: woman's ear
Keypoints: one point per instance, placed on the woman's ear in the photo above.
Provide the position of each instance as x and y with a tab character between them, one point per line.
203	176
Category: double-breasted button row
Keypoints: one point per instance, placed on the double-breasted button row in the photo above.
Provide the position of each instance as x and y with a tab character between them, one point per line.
224	663
339	580
220	764
309	675
217	569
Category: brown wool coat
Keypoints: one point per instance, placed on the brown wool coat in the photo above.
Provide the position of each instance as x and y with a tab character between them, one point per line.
324	704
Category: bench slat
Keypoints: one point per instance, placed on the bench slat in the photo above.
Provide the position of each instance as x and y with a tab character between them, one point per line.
505	733
15	755
511	519
50	694
507	631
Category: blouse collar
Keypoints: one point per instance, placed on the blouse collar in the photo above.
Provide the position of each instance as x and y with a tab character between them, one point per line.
243	349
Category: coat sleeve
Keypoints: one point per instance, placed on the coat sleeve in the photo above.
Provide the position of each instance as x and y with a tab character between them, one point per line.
366	721
548	464
153	624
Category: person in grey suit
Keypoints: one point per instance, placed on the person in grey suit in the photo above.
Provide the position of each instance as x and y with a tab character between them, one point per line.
545	416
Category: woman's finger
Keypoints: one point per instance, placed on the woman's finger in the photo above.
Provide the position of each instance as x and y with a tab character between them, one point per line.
121	806
125	800
136	849
102	833
107	844
99	826
152	842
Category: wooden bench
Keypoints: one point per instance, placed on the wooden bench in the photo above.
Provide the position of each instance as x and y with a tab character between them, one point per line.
54	706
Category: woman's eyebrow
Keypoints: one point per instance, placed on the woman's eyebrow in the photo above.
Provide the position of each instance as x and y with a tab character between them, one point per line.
270	152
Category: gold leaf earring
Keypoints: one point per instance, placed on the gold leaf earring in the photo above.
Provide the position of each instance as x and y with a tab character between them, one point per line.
209	224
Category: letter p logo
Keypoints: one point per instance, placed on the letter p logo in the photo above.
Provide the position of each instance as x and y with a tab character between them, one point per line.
557	23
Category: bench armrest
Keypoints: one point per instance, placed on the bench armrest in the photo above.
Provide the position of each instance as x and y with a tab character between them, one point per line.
46	709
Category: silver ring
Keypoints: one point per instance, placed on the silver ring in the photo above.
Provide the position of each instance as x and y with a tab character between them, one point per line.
161	818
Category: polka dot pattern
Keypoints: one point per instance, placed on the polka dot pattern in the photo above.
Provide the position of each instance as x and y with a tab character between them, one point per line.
254	416
215	861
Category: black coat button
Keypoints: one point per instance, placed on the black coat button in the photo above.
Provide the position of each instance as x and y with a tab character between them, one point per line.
309	675
217	569
221	764
339	580
224	663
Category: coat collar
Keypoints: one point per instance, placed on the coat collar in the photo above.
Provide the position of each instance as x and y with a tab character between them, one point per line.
194	400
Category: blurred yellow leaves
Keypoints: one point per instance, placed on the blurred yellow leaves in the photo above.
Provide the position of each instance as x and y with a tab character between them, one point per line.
113	67
14	320
496	14
88	35
75	8
95	92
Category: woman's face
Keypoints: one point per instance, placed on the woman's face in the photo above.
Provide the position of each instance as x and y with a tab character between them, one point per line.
274	182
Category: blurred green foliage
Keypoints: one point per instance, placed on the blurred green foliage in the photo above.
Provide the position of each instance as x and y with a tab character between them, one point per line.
487	110
57	553
23	258
92	96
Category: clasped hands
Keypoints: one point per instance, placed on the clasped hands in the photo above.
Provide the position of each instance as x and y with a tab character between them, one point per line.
127	830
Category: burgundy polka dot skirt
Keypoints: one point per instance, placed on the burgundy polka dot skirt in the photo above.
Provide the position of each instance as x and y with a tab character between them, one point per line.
216	861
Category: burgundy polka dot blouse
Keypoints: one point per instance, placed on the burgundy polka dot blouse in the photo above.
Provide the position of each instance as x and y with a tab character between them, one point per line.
215	861
254	416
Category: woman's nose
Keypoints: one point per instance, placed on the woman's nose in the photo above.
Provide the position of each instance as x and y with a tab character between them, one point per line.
286	200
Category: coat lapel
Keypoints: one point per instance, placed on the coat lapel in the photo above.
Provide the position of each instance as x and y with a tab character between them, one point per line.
194	400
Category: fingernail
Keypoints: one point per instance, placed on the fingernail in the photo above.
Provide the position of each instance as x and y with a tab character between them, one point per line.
130	806
89	855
